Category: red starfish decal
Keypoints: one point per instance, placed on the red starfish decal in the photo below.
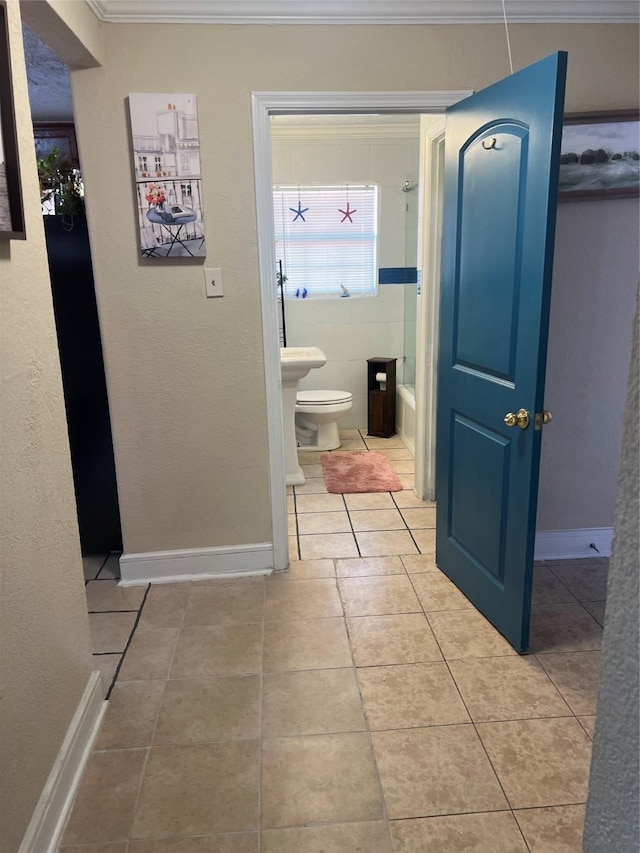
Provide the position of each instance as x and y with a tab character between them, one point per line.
348	213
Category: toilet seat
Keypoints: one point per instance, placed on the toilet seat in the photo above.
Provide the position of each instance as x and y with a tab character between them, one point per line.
323	398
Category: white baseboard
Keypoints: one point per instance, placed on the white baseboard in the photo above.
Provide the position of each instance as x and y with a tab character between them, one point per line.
572	544
54	805
196	564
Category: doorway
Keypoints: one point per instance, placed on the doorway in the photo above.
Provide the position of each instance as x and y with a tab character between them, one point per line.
265	105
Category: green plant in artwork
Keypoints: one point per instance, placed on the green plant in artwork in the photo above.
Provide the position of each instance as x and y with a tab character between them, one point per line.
60	183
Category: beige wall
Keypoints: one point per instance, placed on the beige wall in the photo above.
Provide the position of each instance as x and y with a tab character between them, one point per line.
185	374
44	639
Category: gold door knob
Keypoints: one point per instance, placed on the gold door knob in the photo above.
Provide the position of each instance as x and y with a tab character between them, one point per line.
546	417
520	418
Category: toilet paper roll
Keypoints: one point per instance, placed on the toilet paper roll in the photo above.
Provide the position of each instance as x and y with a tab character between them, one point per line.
381	377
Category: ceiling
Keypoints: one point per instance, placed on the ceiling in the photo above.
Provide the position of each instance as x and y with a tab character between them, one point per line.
364	11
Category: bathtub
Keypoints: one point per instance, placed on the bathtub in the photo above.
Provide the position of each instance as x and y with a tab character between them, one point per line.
406	415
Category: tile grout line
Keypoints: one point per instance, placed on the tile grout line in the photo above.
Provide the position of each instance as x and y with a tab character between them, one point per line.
495	772
155	727
128	643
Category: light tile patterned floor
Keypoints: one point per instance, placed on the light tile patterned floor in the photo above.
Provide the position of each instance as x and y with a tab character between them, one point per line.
357	704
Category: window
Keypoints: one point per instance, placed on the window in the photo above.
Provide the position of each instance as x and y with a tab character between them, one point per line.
326	239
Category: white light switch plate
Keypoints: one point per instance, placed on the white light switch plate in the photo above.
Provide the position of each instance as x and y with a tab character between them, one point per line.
213	281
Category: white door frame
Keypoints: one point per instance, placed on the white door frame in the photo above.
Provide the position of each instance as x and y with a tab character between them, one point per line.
264	105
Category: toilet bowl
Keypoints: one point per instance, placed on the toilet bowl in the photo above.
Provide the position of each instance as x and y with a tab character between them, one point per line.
317	416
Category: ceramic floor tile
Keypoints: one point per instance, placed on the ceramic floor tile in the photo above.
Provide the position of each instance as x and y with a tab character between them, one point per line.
393	453
110	631
437	592
291	504
374	443
353	444
588	723
489	832
563	628
320	779
107	664
165	605
547	589
312	486
307	570
210	650
418	518
539	762
386	543
313	702
553	830
596	609
434	771
306	644
407	481
467	634
375	500
586	580
577	676
111	567
301	599
507	688
107	595
338	838
150	654
410	696
371	596
292	525
91	564
309	457
131	715
323	522
319	503
426	542
416	564
329	545
368	566
293	549
237	842
408	498
404	638
376	519
312	471
226	602
104	805
117	847
195	710
403	466
196	790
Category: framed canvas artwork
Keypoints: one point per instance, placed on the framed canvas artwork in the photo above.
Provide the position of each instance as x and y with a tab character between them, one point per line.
11	211
168	181
600	156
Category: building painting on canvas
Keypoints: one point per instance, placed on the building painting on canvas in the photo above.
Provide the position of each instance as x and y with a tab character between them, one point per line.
166	154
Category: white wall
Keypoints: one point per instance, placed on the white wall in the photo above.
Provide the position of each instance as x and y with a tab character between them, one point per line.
352	330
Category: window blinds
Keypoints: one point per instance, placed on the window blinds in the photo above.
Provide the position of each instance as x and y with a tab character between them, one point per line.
326	239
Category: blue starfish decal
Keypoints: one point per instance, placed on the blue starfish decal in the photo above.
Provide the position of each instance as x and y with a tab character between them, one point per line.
299	212
348	213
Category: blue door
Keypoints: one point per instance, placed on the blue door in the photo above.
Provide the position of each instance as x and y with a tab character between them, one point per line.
502	155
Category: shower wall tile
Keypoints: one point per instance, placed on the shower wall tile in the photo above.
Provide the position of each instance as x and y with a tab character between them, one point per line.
336	311
350	163
387	161
310	162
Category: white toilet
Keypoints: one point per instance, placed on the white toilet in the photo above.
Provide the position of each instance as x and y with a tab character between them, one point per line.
317	416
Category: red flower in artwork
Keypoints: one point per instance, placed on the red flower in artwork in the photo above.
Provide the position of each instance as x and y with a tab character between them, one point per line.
155	194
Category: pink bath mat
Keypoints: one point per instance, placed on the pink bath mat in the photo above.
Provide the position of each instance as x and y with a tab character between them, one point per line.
357	471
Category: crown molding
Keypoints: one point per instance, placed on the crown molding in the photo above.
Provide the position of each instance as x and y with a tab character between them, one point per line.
364	11
289	133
